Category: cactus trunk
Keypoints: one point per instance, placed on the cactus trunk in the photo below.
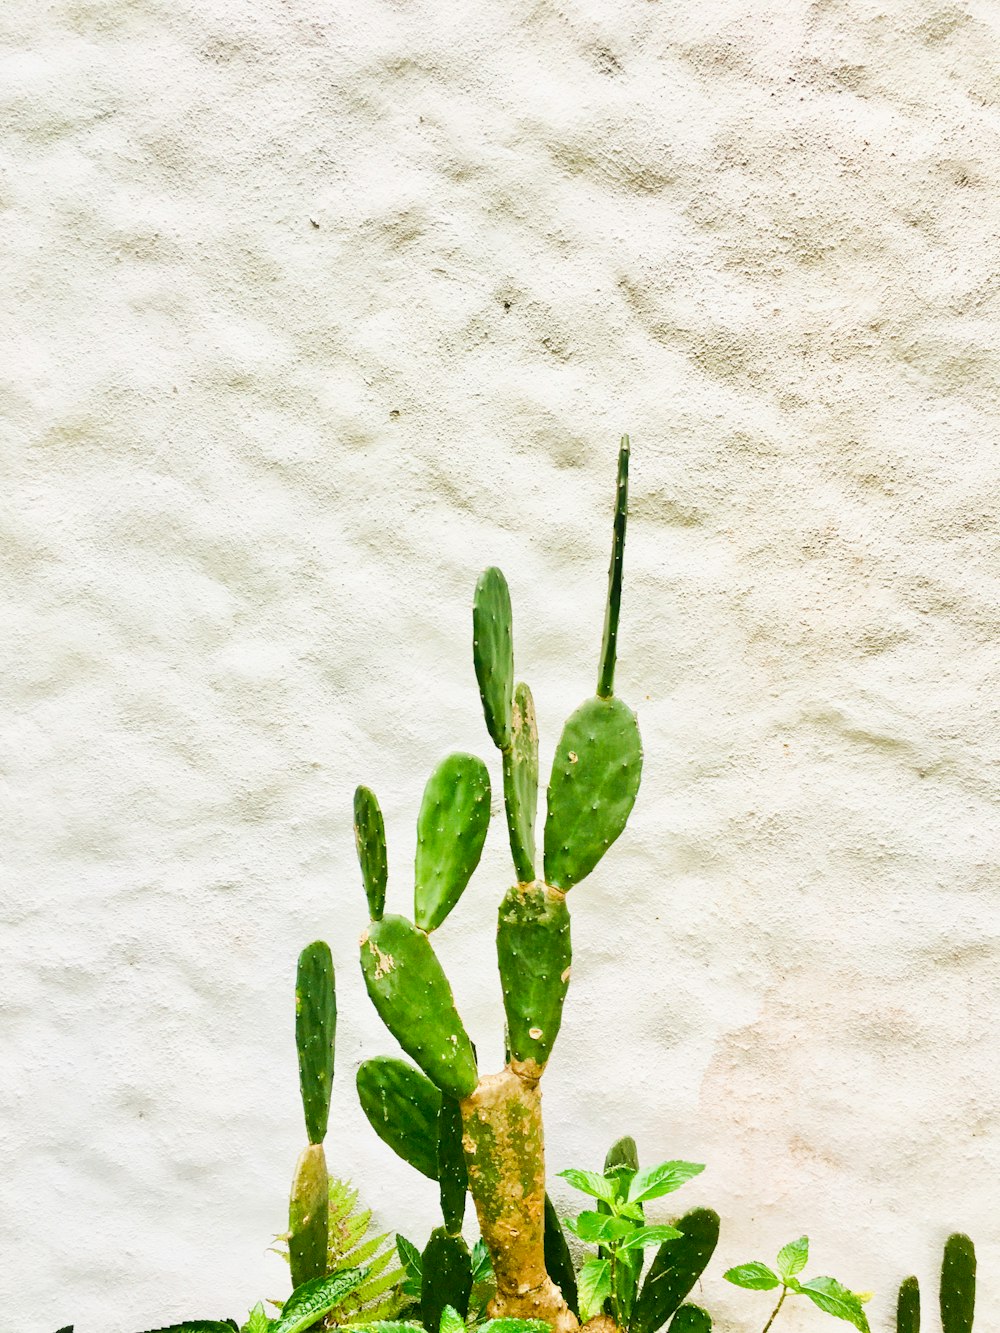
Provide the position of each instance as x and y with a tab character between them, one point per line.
505	1157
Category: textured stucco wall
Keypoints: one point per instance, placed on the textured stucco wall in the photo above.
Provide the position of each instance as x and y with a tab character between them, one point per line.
310	310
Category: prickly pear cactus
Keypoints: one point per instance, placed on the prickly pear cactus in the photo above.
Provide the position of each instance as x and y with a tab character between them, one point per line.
676	1267
908	1306
595	778
958	1284
315	1033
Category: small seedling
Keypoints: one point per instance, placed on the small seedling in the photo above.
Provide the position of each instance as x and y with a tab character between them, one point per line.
826	1292
619	1229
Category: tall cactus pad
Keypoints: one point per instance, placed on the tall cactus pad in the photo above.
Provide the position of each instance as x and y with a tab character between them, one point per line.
622	1154
315	1031
958	1284
402	1106
908	1306
451	829
558	1260
309	1217
691	1319
409	989
369	836
533	949
609	646
595	778
493	653
676	1267
446	1277
452	1176
520	783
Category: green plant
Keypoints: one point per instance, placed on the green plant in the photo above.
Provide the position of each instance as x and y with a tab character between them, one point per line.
593	785
618	1227
827	1293
957	1291
315	1033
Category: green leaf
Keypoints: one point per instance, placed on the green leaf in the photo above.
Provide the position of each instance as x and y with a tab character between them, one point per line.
451	1321
198	1326
589	1182
834	1298
663	1179
482	1264
598	1228
409	1257
312	1300
793	1257
654	1235
594	1287
754	1277
258	1321
508	1325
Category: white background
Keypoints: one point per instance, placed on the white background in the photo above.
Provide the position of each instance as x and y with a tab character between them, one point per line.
313	309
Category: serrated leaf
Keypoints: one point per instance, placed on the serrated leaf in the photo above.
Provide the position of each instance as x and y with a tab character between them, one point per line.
509	1325
754	1277
593	1287
482	1264
641	1237
834	1298
409	1257
312	1300
596	1228
258	1321
589	1182
451	1321
793	1257
656	1181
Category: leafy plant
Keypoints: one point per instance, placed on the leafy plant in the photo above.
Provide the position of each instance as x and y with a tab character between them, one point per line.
620	1230
826	1293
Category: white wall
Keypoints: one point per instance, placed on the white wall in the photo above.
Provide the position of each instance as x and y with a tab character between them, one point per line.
313	309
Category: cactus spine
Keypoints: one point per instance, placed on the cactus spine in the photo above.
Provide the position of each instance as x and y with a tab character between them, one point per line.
595	778
315	1033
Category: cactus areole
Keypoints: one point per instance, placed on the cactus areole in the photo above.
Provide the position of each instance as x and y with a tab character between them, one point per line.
497	1118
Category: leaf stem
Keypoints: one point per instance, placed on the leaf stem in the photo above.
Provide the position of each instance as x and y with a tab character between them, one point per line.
774	1312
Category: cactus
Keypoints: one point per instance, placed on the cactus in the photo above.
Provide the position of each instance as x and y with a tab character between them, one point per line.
908	1306
676	1267
595	778
691	1319
402	1106
315	1033
958	1284
451	830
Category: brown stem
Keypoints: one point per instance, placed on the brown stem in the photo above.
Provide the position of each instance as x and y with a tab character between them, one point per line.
774	1312
504	1154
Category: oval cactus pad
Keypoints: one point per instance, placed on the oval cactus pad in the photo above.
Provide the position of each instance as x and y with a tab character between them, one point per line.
409	989
315	1031
595	778
369	836
402	1106
451	829
493	652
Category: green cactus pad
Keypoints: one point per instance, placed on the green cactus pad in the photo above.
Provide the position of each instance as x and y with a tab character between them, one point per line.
595	778
558	1260
409	989
452	1176
315	1031
402	1106
622	1153
958	1284
446	1277
309	1216
534	953
451	830
609	645
676	1267
369	837
493	653
691	1319
520	783
908	1306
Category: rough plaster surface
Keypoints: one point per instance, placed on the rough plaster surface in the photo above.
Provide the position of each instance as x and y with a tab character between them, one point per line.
310	310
